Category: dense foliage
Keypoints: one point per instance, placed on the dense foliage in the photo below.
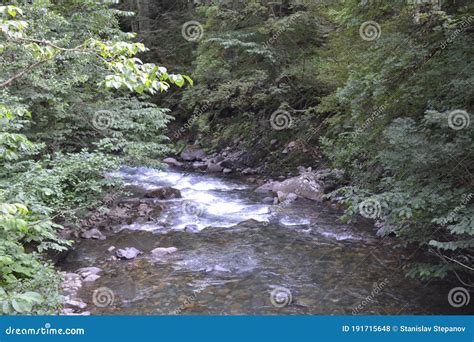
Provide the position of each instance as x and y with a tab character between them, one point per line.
390	107
67	118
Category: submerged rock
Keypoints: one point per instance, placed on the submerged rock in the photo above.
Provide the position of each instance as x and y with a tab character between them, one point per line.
127	253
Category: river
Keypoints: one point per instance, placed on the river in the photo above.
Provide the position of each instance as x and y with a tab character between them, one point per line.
240	256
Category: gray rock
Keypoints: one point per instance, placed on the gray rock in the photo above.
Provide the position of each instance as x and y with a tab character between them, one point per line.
226	171
281	196
87	271
192	154
161	252
172	162
268	200
127	253
76	303
200	166
67	311
265	188
214	168
288	198
93	234
71	276
91	278
305	185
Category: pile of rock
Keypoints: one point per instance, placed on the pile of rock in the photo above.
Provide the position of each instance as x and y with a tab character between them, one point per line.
71	285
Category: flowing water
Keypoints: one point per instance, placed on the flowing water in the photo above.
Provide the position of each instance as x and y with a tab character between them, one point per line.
239	256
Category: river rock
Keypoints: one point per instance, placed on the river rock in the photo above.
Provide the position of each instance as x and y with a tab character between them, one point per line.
200	166
76	303
268	200
161	252
249	171
286	198
127	253
163	193
87	271
172	162
91	278
192	154
265	188
214	168
93	234
226	171
305	186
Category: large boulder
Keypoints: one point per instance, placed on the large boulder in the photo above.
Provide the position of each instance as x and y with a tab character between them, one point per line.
304	186
163	193
192	154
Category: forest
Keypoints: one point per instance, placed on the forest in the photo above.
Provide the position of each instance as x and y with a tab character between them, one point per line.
351	120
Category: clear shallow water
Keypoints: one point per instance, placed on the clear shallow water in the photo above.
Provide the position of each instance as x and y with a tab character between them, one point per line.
245	257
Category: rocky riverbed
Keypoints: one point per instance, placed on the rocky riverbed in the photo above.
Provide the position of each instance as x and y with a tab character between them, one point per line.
196	243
